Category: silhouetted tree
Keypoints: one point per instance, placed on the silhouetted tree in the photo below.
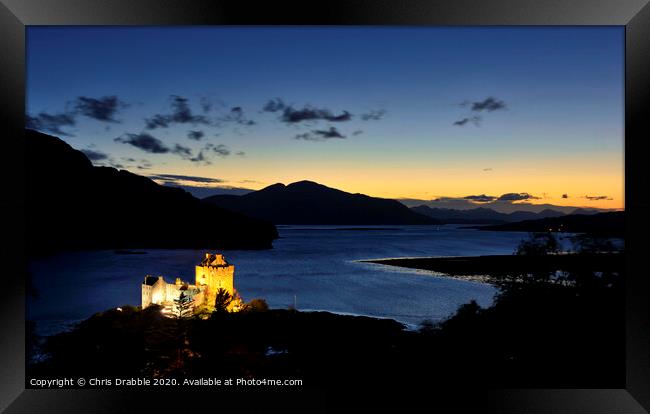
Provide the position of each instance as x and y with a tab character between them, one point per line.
183	306
222	301
587	243
538	244
257	305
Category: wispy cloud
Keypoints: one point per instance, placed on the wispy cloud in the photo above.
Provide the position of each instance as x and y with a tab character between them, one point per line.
482	198
206	104
274	105
52	123
291	115
237	115
476	120
516	197
328	133
183	151
220	149
195	135
181	114
374	115
599	197
144	142
190	178
489	104
94	155
320	135
101	109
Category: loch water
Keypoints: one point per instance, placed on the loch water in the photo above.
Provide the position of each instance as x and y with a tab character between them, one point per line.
313	267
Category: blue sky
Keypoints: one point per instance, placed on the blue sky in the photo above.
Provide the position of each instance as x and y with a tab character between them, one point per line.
555	125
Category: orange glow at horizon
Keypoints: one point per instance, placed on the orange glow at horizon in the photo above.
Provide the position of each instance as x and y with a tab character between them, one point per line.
596	176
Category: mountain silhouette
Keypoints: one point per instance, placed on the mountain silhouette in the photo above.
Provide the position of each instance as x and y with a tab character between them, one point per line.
307	202
481	215
70	204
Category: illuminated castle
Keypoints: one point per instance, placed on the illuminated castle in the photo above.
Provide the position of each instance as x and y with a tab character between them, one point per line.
212	274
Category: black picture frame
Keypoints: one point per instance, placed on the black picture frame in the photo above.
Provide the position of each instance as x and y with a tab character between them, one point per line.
15	15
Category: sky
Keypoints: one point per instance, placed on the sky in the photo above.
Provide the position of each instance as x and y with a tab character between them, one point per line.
471	114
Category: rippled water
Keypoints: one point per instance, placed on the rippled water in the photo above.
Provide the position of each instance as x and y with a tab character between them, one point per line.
315	266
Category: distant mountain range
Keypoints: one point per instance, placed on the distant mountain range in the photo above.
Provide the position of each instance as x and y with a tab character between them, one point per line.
72	205
481	215
463	204
307	202
204	192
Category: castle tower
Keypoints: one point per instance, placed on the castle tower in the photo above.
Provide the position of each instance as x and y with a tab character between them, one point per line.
214	272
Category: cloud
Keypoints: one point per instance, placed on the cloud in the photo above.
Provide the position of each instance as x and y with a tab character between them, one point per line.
516	197
201	158
145	165
221	150
184	152
195	135
274	105
374	115
94	155
181	114
476	120
237	115
192	178
291	115
320	134
158	121
145	142
51	122
101	109
206	104
596	198
489	104
565	196
328	133
150	144
480	198
306	136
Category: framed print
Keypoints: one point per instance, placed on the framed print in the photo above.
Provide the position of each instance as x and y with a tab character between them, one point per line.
208	200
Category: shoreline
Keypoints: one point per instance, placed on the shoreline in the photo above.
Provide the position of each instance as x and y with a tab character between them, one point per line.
488	269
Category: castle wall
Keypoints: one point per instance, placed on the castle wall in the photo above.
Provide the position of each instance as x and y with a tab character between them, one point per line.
153	293
146	295
159	291
215	278
212	274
